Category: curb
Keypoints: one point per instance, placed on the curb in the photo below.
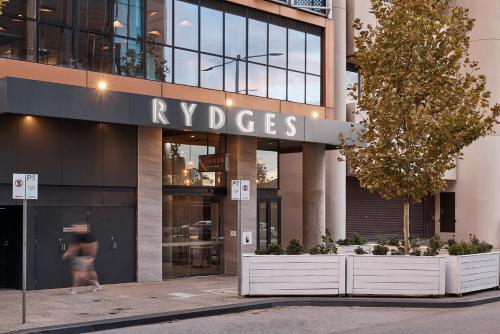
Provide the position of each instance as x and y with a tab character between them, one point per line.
264	303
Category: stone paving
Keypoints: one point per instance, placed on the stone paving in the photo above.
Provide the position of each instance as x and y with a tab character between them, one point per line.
56	306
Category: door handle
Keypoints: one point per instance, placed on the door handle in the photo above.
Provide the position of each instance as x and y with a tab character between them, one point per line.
62	246
114	243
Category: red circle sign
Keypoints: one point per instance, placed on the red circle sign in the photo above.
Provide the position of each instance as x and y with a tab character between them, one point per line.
19	183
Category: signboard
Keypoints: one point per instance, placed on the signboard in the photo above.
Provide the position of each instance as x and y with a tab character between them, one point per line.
31	186
235	190
212	163
245	190
19	186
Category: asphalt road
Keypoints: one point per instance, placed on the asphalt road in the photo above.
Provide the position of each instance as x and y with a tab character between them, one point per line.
483	319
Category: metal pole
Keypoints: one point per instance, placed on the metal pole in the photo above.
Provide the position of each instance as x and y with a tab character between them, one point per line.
239	245
25	248
237	82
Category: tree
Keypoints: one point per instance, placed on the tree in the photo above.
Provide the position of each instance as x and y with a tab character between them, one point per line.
422	99
2	5
261	172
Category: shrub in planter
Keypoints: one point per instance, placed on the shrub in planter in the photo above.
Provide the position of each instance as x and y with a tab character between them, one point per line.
360	251
394	242
355	240
434	247
294	247
473	246
327	245
381	248
272	249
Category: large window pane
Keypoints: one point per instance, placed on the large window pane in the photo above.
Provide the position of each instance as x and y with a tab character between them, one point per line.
18	39
257	41
236	37
257	80
277	83
313	54
230	76
267	169
56	11
211	72
20	8
296	50
277	46
313	89
159	63
295	87
159	21
128	57
186	25
186	67
127	19
211	31
93	15
55	46
93	53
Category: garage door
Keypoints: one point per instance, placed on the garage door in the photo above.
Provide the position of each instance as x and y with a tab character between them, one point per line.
373	217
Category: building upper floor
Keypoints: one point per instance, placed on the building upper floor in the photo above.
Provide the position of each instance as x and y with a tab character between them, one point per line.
256	48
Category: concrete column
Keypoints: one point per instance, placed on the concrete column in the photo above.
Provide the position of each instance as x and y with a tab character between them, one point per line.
313	192
336	170
149	205
242	153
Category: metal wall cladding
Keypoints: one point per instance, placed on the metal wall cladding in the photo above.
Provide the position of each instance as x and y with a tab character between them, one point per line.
374	217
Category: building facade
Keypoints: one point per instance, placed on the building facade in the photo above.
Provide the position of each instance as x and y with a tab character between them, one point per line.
137	115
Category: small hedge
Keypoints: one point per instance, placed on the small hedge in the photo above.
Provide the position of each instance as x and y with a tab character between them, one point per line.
473	246
355	240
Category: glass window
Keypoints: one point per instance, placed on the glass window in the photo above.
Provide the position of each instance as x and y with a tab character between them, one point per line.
93	53
230	76
186	25
55	47
211	31
267	169
159	63
295	87
277	46
127	18
18	38
236	37
56	11
296	50
186	67
20	8
257	80
313	89
93	15
277	83
211	72
257	41
313	54
159	21
128	57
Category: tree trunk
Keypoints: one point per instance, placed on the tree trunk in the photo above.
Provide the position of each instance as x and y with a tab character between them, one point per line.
406	225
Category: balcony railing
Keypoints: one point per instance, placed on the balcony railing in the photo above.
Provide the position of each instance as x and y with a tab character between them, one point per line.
319	7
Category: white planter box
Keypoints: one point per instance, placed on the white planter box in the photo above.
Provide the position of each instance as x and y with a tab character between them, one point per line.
348	250
395	275
466	273
265	275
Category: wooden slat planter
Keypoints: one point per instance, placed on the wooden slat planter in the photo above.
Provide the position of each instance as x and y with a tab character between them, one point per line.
395	275
467	273
269	275
348	250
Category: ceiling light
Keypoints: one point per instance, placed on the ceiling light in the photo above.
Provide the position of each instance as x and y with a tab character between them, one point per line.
185	23
315	114
154	32
152	13
102	85
117	24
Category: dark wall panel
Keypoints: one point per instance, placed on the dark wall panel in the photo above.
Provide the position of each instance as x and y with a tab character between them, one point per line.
8	147
81	153
119	156
40	148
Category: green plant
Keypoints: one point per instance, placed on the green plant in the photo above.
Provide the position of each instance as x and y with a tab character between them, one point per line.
380	250
327	245
357	239
272	249
473	246
360	251
294	247
398	251
452	241
394	241
344	242
434	247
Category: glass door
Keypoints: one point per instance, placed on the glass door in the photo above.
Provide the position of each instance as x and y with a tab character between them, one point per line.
268	222
192	236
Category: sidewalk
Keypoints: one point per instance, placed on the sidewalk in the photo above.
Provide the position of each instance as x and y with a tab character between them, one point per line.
55	307
121	305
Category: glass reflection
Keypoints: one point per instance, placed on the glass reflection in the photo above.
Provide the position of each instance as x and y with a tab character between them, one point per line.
277	83
128	56
93	15
257	80
56	11
186	67
18	39
211	34
159	63
159	21
277	45
267	169
313	54
20	8
236	38
296	50
313	89
55	46
93	53
257	41
127	18
295	87
186	25
213	77
230	76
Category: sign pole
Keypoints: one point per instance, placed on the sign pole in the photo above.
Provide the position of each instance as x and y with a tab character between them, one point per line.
25	251
239	248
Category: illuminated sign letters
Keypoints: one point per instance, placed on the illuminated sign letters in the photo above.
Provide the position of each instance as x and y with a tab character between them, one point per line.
217	118
249	127
159	109
188	110
290	124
